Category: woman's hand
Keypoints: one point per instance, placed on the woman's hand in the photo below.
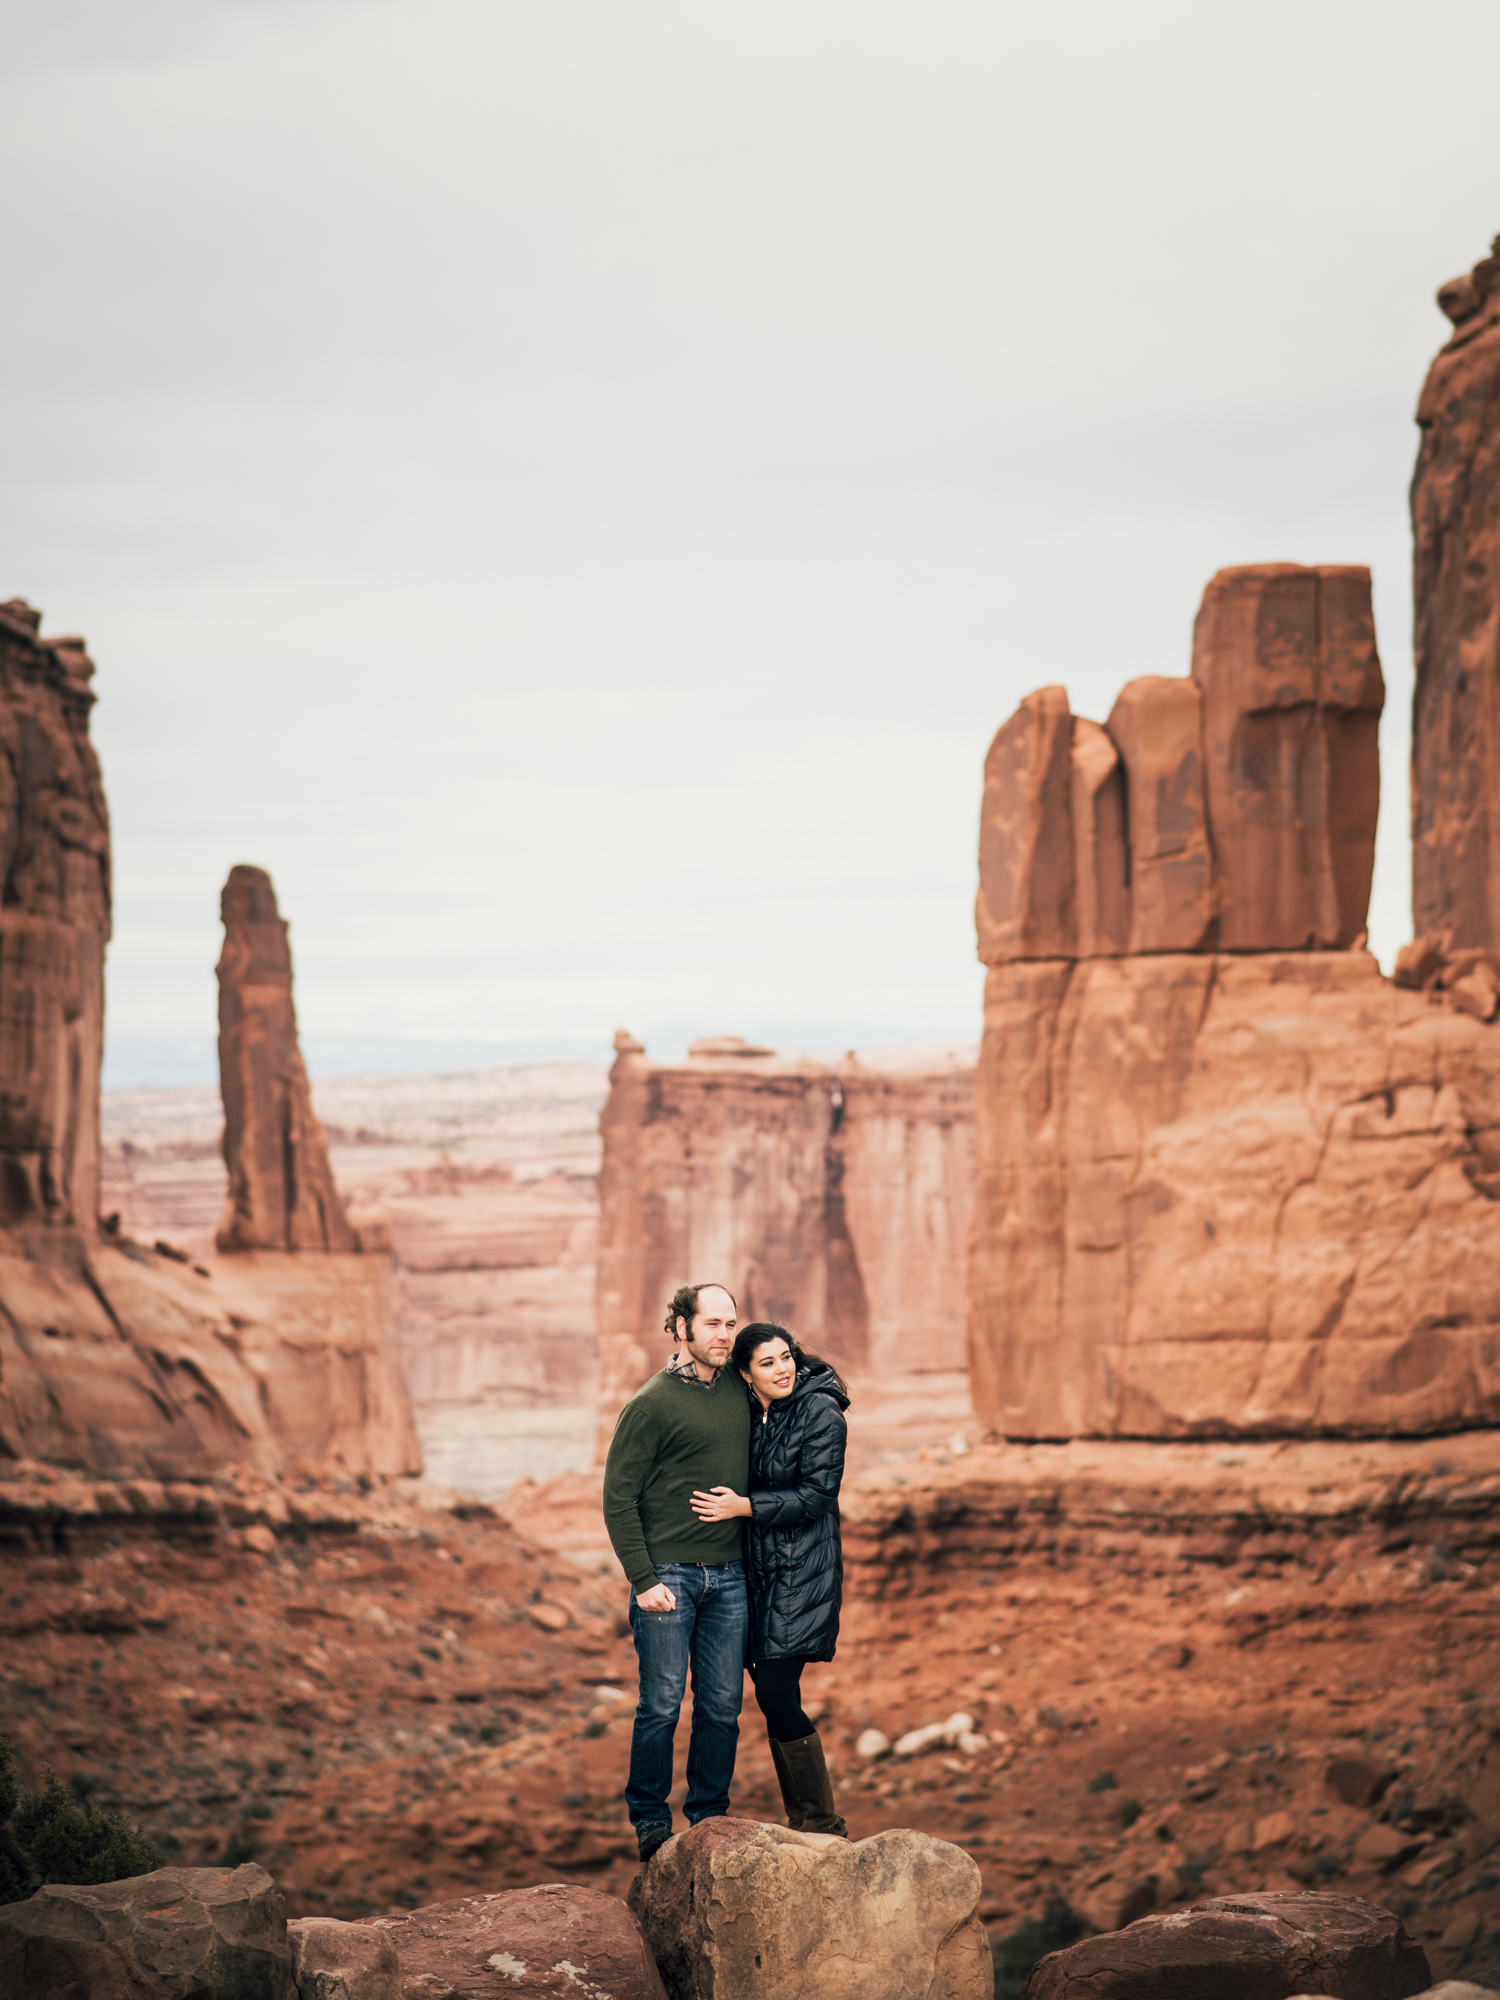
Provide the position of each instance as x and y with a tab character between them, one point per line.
721	1503
657	1598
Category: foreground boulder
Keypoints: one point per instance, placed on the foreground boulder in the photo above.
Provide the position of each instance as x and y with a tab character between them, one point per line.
524	1944
1265	1946
734	1907
339	1961
176	1934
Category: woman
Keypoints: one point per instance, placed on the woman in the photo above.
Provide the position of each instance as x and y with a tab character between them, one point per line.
793	1562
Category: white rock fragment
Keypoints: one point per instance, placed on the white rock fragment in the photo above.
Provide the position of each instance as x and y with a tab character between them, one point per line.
872	1743
934	1733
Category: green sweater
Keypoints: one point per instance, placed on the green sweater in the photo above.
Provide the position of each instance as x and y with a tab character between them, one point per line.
673	1437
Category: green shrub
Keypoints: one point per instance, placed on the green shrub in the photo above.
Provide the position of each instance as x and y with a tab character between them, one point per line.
49	1836
1058	1926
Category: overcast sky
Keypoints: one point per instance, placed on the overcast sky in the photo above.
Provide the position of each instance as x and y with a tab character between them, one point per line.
573	487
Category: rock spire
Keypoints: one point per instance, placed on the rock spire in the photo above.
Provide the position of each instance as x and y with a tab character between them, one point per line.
1455	515
281	1190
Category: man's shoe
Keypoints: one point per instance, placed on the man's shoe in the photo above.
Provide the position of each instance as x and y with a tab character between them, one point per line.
811	1786
649	1838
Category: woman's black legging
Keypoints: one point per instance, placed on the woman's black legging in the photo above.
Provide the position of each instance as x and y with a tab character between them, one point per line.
778	1693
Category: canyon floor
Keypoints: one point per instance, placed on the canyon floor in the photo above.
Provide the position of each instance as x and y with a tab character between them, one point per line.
389	1703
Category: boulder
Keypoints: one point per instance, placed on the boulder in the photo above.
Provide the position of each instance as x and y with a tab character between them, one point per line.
1446	1989
734	1907
339	1961
1232	1195
177	1934
281	1192
1455	512
1359	1781
1292	694
525	1944
1255	1947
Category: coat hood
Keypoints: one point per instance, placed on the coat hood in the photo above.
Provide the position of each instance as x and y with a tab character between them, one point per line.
818	1381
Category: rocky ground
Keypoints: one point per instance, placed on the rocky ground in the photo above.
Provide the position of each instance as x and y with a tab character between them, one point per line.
389	1704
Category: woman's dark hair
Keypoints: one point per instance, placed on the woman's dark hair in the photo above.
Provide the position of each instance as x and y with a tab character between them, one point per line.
685	1303
759	1331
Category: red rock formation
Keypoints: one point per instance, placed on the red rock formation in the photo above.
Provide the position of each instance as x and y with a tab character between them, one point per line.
1157	723
54	925
1292	693
281	1191
114	1357
1233	810
1025	906
832	1197
1455	507
1227	1186
1230	1196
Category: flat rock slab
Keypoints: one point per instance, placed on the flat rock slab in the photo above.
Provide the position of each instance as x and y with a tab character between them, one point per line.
1266	1946
525	1944
176	1934
733	1908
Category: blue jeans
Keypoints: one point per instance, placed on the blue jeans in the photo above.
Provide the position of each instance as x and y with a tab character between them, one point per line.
708	1630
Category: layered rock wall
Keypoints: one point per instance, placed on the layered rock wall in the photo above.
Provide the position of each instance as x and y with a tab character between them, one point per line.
832	1197
1455	507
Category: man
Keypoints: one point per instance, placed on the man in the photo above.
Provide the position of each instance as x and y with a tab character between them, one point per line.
688	1429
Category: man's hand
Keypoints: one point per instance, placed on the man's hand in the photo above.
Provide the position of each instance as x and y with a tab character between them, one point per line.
720	1503
657	1598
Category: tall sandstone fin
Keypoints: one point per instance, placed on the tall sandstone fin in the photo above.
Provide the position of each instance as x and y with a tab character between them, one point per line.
281	1188
1025	905
1157	724
1101	867
1292	693
1455	515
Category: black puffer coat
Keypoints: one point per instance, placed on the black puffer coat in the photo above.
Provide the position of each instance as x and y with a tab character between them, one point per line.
794	1564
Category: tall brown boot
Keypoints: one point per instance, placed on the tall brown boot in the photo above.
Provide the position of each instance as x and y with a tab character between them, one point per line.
809	1781
789	1796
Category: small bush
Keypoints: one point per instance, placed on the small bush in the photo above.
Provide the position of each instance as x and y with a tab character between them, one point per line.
52	1836
1106	1781
1128	1811
1058	1926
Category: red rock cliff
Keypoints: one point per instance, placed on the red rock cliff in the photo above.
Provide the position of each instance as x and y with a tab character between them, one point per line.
1455	512
114	1357
1228	1184
832	1197
281	1192
54	925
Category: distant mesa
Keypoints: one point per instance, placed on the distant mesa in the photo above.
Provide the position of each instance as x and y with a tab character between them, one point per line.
709	1046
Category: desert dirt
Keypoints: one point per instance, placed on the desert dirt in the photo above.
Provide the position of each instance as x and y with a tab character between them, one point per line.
389	1704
